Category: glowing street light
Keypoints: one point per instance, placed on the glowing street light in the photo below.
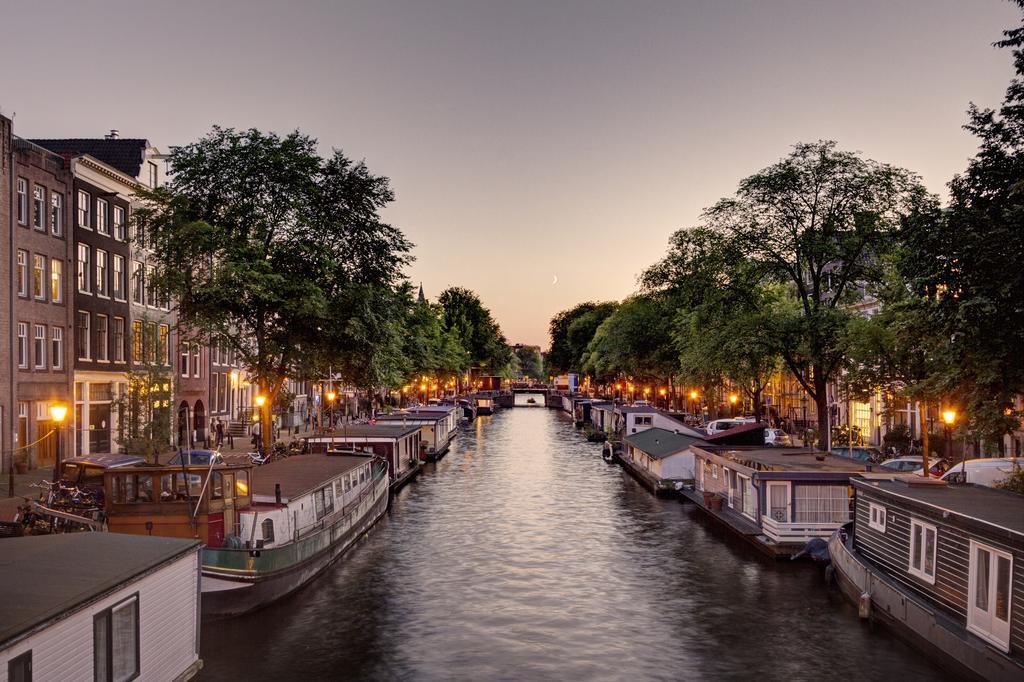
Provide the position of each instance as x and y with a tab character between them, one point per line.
58	413
948	418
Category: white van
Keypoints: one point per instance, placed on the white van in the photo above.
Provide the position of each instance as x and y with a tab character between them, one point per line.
988	471
720	425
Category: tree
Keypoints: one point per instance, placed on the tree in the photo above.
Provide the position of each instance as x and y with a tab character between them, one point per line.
561	357
465	315
531	364
263	243
582	329
144	410
816	223
430	349
968	261
635	341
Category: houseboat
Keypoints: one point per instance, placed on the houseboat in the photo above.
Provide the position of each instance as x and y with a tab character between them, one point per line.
661	460
484	405
435	436
630	419
942	566
83	606
306	511
398	444
453	415
774	498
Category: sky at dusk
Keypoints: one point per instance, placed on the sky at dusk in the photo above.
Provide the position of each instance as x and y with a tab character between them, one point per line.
524	139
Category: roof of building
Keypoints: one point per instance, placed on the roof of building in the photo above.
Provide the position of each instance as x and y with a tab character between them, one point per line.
659	443
123	153
43	577
302	473
423	416
990	505
783	459
360	431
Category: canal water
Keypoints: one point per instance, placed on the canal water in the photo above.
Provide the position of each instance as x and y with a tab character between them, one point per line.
523	556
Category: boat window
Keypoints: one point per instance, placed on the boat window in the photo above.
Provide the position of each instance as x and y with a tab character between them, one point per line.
217	486
71	472
133	489
923	541
268	530
173	487
877	517
241	483
92	476
822	503
116	641
328	494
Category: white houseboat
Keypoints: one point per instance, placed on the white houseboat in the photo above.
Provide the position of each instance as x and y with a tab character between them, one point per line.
397	443
661	460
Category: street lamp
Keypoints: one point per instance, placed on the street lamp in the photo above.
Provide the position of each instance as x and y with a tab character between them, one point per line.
331	395
948	418
58	412
733	399
260	401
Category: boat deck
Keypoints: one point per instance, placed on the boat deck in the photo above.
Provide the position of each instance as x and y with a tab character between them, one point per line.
300	474
746	529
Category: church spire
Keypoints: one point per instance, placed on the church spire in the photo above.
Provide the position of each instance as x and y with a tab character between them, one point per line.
421	299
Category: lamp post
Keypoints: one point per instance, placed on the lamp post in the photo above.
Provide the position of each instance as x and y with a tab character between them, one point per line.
733	399
58	412
693	401
662	392
331	395
261	400
948	418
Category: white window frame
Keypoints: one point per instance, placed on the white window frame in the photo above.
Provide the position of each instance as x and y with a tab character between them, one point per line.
138	284
22	202
102	259
876	516
714	471
83	269
105	620
39	276
197	369
978	623
56	214
119	339
787	486
39	345
23	345
119	223
22	273
103	217
57	347
102	338
117	289
920	571
57	280
186	360
39	208
84	209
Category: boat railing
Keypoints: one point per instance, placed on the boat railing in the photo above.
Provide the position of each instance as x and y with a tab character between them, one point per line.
309	541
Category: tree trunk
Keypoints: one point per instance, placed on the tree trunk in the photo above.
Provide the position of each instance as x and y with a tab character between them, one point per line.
821	405
756	395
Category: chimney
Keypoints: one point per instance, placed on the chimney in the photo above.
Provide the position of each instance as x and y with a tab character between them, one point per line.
277	493
112	135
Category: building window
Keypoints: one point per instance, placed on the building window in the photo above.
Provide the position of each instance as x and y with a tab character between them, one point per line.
119	223
185	359
102	216
19	668
82	336
153	175
195	361
923	537
57	347
163	348
39	347
56	280
22	273
714	471
56	214
118	277
876	519
101	338
989	594
23	345
39	208
116	642
84	268
39	277
118	339
151	341
102	288
151	293
22	201
83	209
137	341
138	283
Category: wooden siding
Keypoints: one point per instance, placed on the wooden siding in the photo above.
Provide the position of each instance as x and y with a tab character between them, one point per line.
168	617
890	551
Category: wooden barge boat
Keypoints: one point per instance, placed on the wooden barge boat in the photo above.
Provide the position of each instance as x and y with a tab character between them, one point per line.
942	566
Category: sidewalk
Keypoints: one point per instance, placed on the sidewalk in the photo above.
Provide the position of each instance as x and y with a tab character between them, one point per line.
23	490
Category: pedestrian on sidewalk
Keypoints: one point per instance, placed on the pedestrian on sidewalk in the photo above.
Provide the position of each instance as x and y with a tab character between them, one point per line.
220	433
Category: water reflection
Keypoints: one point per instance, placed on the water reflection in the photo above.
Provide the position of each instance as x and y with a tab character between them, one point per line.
522	555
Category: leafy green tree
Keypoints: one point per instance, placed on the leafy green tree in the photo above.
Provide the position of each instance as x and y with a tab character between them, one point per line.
816	223
635	341
263	243
531	364
968	260
144	410
562	357
465	316
582	329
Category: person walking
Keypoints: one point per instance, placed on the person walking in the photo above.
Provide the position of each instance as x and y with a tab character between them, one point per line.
220	433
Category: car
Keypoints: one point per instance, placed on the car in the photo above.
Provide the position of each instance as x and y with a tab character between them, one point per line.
200	458
719	425
777	438
641	403
913	465
859	453
984	471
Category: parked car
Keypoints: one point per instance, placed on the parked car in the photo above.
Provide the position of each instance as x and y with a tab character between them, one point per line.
641	403
860	453
202	458
987	471
777	438
719	425
914	465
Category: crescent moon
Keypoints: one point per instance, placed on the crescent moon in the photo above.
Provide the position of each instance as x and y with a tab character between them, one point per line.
554	280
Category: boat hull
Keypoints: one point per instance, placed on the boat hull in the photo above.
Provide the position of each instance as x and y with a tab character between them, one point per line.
225	594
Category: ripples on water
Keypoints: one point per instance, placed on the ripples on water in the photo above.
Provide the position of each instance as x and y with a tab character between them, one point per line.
523	556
